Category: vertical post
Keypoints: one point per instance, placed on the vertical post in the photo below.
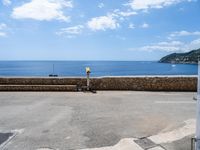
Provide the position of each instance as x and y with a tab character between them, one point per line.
197	146
53	69
88	77
88	81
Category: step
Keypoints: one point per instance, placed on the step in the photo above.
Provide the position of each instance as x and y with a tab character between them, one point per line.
41	81
38	88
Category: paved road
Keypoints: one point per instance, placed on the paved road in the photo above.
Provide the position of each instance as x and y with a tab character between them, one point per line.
84	120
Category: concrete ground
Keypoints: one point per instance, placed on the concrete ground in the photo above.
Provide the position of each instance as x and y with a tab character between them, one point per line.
66	121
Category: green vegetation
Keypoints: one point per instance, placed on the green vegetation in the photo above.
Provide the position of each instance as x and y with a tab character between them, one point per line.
182	58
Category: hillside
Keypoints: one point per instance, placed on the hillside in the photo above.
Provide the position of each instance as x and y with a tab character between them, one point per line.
182	58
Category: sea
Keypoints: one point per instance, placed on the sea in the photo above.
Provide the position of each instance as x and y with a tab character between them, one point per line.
98	68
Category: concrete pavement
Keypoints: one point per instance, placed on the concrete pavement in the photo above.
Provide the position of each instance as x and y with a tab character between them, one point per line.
64	121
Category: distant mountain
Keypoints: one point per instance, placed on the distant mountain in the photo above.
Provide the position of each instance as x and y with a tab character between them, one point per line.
182	58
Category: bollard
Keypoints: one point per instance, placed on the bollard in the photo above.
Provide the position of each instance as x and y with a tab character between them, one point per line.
88	77
197	145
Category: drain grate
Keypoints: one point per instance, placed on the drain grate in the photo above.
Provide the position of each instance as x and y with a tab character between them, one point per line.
145	143
45	149
4	137
157	148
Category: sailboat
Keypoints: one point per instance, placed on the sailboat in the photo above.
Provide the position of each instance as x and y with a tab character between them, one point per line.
53	75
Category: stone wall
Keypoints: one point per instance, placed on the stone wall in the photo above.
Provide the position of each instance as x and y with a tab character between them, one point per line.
148	83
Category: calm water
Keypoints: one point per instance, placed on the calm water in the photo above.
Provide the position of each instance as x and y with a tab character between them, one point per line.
98	68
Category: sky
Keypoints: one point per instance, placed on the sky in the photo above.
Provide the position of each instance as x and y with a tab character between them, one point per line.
126	30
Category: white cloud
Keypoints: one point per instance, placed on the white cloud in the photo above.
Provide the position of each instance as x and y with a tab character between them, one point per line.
160	48
71	31
128	13
184	33
131	26
110	21
103	23
181	9
145	25
3	28
195	44
3	34
118	13
172	46
164	46
6	2
148	4
119	37
43	10
101	5
172	43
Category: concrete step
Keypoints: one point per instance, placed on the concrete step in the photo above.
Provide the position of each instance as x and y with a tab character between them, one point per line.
72	88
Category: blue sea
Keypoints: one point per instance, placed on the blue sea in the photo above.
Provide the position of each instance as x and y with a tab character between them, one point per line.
98	68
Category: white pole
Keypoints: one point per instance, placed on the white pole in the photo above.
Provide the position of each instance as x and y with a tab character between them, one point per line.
88	81
198	111
88	77
53	69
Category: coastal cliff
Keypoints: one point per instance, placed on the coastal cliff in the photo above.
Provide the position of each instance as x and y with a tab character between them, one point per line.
182	58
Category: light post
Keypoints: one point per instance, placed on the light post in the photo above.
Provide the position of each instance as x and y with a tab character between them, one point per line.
197	146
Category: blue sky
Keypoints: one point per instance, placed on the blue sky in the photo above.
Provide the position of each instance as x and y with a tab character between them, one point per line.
97	29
